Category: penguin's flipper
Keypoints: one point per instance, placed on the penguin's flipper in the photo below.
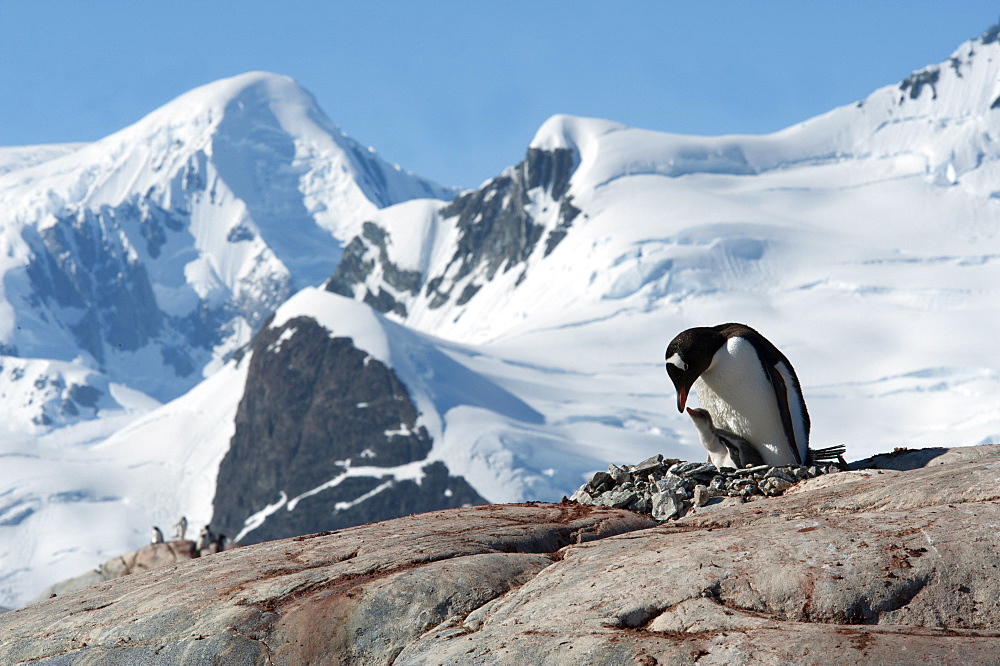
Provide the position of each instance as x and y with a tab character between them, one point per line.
740	450
781	395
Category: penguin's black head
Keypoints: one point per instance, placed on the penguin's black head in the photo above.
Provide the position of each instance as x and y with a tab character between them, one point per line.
688	355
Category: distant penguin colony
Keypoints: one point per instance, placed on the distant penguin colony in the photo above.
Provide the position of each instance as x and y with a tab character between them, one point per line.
208	542
748	390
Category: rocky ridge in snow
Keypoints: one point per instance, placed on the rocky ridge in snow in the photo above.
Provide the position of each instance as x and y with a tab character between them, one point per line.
329	435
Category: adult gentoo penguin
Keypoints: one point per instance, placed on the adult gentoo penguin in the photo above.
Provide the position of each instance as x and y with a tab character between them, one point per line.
747	386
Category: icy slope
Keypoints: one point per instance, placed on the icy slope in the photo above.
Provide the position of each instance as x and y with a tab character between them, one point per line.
85	493
13	158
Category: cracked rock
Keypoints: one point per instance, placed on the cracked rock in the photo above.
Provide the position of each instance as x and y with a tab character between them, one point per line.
666	506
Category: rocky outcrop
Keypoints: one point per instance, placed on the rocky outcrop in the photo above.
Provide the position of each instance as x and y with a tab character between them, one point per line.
892	565
357	263
875	566
497	228
315	409
153	556
354	596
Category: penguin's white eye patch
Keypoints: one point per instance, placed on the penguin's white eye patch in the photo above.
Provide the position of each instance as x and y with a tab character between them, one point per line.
676	361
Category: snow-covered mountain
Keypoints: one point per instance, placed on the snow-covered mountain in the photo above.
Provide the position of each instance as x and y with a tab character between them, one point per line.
154	253
854	172
132	269
517	331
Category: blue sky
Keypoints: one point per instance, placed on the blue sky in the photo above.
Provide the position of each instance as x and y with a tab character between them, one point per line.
453	90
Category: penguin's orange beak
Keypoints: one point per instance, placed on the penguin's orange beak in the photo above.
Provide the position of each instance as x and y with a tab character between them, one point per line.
682	397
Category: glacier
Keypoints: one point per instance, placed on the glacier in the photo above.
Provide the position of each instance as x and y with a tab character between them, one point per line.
863	242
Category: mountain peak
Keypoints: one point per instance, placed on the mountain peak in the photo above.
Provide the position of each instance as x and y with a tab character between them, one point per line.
281	94
574	133
232	87
966	83
219	94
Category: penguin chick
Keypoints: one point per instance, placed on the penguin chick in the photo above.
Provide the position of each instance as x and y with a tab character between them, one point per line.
724	448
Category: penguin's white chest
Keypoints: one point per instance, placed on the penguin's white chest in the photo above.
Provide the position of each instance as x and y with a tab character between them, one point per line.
737	392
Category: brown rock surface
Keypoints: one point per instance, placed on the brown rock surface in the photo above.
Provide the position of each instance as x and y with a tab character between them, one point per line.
878	566
359	594
150	557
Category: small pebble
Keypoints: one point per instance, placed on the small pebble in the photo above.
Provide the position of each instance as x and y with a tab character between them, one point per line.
701	495
618	474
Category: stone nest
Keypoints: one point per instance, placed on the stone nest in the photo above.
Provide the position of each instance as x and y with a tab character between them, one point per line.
667	488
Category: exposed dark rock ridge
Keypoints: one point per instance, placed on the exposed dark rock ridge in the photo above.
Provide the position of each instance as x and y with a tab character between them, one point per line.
81	262
357	263
92	261
313	406
497	231
875	566
915	82
55	396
